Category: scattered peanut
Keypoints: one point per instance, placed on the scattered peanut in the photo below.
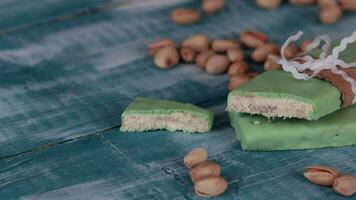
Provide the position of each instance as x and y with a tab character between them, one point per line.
253	39
326	3
268	4
187	54
238	68
261	53
330	14
184	16
159	44
238	80
212	6
198	42
271	63
290	51
345	185
222	46
252	74
203	57
321	175
217	64
235	54
166	57
195	157
349	5
210	186
305	44
203	170
302	2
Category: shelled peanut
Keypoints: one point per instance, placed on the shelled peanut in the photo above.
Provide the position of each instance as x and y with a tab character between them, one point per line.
205	175
328	176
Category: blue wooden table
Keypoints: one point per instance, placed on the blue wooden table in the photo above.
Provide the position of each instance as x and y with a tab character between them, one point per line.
69	68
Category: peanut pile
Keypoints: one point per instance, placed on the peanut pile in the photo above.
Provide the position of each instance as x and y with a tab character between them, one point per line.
328	176
221	56
204	174
330	10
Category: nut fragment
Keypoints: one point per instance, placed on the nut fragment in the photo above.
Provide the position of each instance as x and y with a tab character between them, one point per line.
268	4
187	54
238	68
305	44
159	44
212	6
184	16
217	64
261	53
166	57
321	175
195	157
345	185
222	46
198	42
210	186
330	14
349	5
204	170
271	63
203	57
302	2
235	54
253	39
238	80
290	51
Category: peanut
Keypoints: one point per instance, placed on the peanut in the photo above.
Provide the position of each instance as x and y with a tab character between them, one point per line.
235	54
212	6
330	14
210	186
166	57
305	44
198	42
203	170
345	185
268	4
195	157
222	46
203	57
238	68
238	80
252	74
302	2
321	175
187	54
184	16
159	44
261	53
326	3
271	63
349	5
290	51
253	39
217	64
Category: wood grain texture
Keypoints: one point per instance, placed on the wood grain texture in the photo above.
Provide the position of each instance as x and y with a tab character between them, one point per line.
64	85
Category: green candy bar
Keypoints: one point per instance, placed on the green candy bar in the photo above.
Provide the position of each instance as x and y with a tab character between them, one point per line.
259	133
279	94
145	114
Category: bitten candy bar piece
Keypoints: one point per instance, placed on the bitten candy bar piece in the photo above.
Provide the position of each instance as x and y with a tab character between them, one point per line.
278	94
259	133
145	114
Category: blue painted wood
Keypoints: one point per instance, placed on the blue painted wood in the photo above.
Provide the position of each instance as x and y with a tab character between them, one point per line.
64	85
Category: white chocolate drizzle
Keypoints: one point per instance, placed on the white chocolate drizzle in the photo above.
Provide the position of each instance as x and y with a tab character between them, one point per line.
299	64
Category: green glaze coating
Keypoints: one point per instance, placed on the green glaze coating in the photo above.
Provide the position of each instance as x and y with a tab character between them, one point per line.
324	97
148	106
259	133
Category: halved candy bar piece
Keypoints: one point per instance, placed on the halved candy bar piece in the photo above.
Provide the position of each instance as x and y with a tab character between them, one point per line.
278	94
259	133
145	114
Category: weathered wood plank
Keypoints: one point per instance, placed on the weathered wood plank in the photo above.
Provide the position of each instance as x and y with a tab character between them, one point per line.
115	165
71	78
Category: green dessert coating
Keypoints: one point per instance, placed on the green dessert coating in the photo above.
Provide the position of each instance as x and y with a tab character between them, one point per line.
323	97
259	133
151	114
